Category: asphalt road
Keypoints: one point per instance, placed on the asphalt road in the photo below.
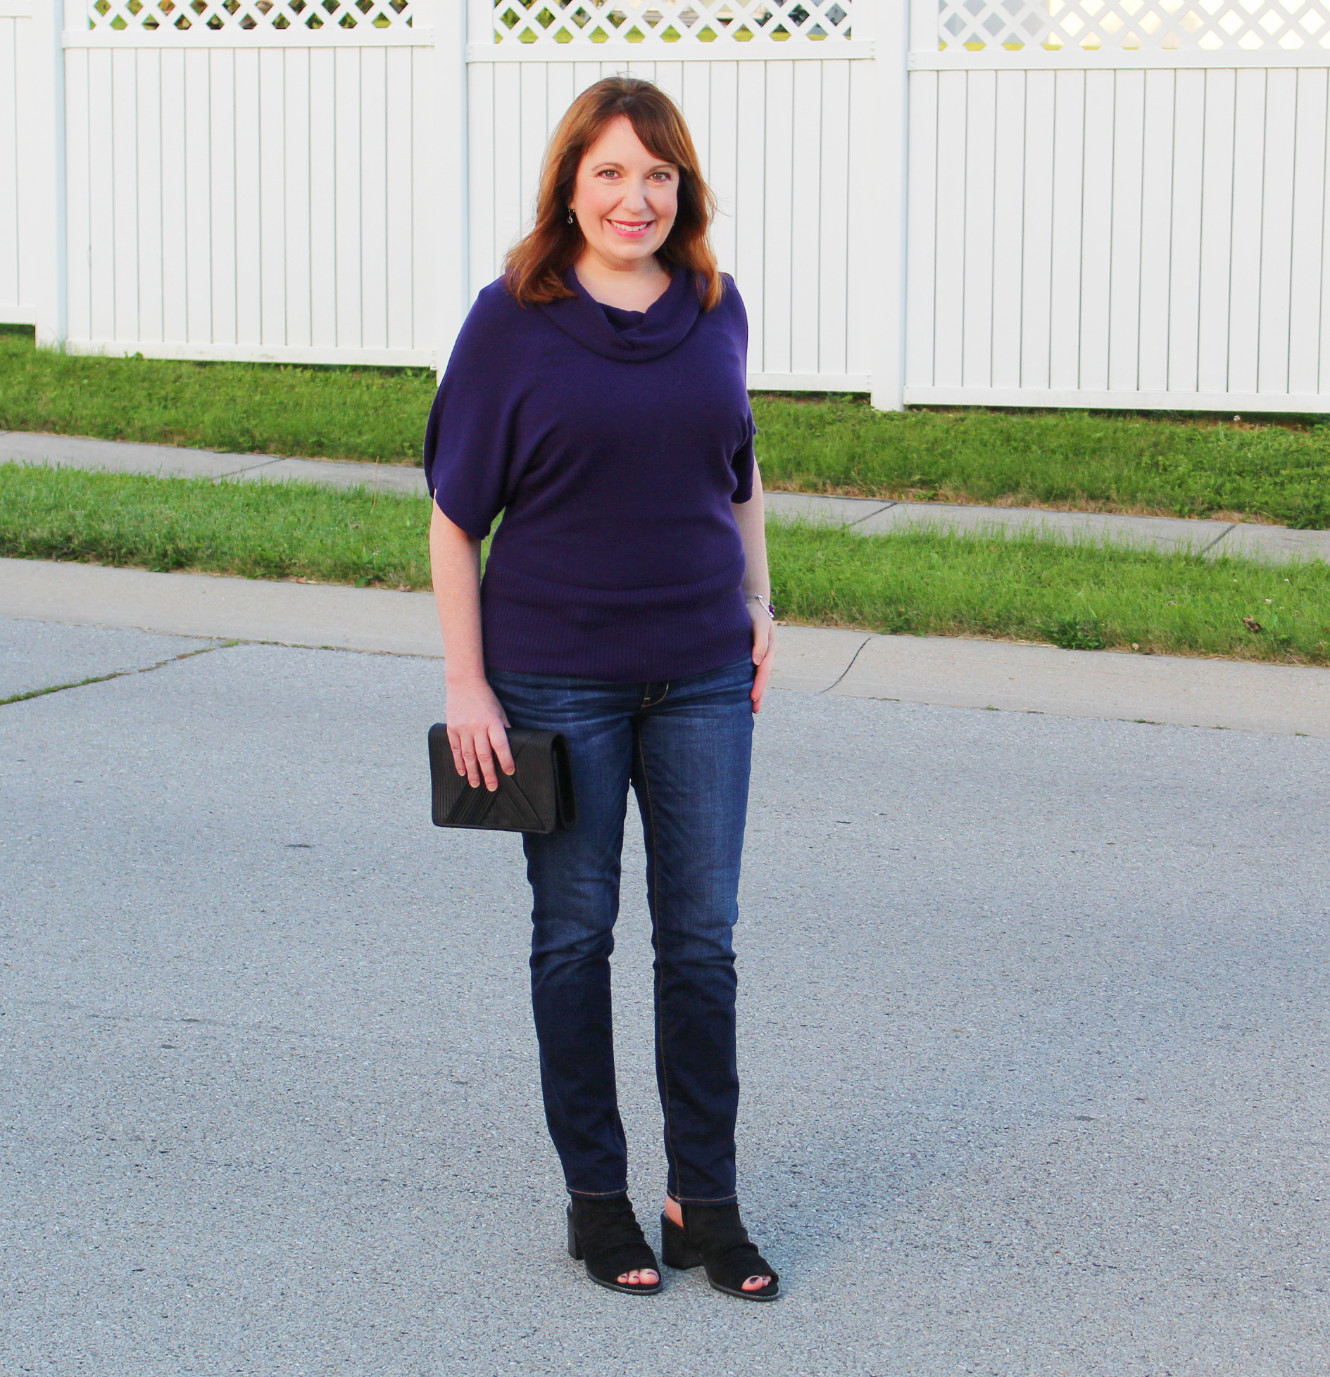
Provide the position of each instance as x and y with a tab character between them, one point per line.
1033	1033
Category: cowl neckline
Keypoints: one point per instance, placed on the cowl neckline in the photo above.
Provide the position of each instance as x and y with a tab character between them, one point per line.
648	335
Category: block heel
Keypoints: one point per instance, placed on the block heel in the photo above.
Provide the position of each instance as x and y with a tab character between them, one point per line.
605	1235
713	1237
675	1250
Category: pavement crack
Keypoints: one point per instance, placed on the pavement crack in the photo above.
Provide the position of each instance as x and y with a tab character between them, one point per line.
115	674
877	511
849	667
1227	531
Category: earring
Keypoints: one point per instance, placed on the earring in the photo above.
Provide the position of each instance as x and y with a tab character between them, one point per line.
570	215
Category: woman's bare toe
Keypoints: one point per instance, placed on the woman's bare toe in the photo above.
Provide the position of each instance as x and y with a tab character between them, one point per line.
756	1283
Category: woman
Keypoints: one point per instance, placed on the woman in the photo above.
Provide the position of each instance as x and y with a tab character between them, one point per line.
596	396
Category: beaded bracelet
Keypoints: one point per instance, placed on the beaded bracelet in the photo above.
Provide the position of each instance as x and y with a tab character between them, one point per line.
768	606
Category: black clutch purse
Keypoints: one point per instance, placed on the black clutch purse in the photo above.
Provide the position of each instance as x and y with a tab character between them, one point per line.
538	797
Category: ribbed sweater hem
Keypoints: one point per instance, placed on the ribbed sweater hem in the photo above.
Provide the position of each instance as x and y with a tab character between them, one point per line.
619	635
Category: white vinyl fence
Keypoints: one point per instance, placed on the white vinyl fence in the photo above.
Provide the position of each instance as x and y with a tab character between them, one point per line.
1115	203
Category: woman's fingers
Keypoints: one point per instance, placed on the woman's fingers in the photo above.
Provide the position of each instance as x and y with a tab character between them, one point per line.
499	740
760	680
476	723
473	755
764	657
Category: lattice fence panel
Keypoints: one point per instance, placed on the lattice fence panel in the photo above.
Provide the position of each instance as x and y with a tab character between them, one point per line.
1208	25
266	15
671	21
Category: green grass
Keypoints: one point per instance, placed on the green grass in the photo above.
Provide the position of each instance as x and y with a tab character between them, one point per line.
333	413
912	582
1097	461
263	531
1081	597
1092	461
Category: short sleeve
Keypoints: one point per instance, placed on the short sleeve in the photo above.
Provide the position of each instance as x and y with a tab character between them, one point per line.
742	465
469	437
743	460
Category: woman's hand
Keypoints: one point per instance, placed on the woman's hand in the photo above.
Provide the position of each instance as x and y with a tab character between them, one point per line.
476	732
764	649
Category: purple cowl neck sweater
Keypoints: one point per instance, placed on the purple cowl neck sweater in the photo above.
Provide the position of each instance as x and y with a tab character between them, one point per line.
614	443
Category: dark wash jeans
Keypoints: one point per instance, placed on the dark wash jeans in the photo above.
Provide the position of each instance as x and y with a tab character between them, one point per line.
684	746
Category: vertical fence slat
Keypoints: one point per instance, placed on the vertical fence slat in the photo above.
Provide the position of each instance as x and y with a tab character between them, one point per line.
1306	263
248	193
1324	362
805	249
1184	276
1244	318
833	214
1008	228
506	116
1036	280
148	214
198	192
175	230
1064	322
949	281
1276	229
1156	230
1096	231
124	196
778	278
921	232
401	152
222	165
373	286
323	200
559	92
534	128
78	191
980	151
723	102
302	241
750	244
669	77
273	136
11	292
101	191
424	184
1124	309
862	238
1216	232
483	193
350	246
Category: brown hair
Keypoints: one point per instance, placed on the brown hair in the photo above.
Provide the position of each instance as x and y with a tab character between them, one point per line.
534	267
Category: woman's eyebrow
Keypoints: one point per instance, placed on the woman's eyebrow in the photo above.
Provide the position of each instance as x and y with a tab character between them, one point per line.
596	167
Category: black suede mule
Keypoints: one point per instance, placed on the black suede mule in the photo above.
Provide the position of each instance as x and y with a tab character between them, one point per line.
713	1236
606	1235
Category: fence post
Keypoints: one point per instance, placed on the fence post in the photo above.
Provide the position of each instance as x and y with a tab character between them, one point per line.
890	33
452	266
43	251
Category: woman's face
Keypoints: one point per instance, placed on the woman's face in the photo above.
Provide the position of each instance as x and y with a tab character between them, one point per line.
625	199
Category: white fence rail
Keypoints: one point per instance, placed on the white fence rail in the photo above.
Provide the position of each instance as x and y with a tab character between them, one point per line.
1114	203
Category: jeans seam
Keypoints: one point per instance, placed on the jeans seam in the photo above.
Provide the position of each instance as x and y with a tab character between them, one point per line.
655	930
695	1200
598	1194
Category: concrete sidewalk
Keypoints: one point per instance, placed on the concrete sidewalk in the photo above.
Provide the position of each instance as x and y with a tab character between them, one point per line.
871	516
1276	699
